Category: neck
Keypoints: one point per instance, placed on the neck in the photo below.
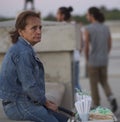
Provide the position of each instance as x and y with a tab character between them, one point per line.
94	21
28	41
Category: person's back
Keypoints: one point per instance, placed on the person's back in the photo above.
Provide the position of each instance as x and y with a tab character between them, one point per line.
99	36
98	44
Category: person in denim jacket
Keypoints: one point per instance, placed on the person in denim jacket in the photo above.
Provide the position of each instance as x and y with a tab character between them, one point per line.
22	85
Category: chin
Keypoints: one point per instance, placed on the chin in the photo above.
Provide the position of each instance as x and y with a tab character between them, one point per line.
39	40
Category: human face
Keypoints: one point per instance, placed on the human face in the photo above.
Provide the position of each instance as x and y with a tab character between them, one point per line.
89	17
59	16
32	31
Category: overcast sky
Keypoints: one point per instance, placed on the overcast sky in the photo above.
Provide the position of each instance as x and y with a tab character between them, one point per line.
13	7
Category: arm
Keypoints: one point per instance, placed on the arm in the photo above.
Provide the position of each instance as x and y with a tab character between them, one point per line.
109	44
87	39
51	105
27	79
81	41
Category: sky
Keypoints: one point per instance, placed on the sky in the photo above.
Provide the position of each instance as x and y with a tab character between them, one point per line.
12	8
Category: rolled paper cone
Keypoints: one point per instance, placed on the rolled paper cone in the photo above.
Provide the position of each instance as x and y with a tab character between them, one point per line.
81	106
80	97
83	103
86	105
84	96
78	108
89	104
84	117
77	96
91	98
76	104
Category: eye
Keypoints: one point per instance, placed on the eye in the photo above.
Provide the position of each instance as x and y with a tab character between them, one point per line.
40	27
34	28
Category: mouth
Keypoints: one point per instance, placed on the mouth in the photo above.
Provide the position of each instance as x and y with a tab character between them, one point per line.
39	38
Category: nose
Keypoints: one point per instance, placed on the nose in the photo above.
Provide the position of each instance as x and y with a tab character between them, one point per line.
39	30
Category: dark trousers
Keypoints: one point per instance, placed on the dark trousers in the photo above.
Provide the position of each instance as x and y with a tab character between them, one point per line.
98	75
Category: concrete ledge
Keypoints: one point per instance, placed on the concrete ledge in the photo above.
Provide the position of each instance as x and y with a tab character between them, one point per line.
55	36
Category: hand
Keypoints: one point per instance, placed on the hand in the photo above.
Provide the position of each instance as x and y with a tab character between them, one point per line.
51	105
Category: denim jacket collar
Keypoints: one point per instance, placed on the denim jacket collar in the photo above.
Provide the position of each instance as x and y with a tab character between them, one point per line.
23	41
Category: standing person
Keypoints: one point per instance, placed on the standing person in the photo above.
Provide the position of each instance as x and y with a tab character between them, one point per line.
97	48
22	85
64	15
32	4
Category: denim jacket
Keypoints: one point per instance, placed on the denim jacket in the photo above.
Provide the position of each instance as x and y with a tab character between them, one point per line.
22	73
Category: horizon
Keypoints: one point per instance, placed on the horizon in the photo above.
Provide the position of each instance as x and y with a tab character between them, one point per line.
46	6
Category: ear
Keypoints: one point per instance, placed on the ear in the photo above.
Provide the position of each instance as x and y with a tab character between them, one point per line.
20	32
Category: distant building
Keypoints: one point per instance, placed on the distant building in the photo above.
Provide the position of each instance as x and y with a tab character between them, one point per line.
32	4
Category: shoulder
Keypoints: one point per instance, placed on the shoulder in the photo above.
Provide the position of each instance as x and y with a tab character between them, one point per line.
106	26
89	27
18	50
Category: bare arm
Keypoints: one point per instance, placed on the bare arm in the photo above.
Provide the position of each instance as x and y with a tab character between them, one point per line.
81	41
51	105
87	39
109	44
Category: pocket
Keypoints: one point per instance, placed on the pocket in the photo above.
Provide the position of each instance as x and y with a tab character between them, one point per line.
12	111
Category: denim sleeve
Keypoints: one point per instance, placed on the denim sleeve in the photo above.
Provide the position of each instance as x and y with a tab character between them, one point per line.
27	79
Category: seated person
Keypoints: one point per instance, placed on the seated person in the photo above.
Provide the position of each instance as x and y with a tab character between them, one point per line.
22	85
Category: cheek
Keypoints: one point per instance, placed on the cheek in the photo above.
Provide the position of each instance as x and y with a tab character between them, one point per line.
59	17
88	17
29	35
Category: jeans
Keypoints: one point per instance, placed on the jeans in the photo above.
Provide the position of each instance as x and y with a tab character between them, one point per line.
23	109
76	75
